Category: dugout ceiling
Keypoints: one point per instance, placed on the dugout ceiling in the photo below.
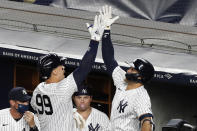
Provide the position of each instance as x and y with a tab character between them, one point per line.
28	31
169	11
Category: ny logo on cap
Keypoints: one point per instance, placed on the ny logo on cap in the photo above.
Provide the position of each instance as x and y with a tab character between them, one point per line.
84	91
24	92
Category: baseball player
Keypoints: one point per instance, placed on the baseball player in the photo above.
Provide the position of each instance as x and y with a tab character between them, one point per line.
17	117
131	106
52	99
88	118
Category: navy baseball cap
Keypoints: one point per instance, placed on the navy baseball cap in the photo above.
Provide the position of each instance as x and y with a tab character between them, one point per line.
84	90
19	94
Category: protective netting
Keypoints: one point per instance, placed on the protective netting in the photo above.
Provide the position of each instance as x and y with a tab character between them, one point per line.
71	23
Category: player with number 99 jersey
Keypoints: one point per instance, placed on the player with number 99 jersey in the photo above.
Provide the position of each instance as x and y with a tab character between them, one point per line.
52	99
53	104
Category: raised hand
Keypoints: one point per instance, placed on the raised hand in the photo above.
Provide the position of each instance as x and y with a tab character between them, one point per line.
106	16
96	30
29	117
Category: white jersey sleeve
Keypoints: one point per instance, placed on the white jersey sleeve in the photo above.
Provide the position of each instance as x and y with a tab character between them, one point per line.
118	76
142	103
66	87
33	104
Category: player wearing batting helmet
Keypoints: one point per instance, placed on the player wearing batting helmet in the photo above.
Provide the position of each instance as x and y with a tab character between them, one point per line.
49	62
145	71
131	106
52	99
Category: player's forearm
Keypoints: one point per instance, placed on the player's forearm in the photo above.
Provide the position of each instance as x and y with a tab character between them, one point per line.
108	52
146	127
147	124
86	64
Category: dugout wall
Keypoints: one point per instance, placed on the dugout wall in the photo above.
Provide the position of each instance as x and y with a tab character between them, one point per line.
7	81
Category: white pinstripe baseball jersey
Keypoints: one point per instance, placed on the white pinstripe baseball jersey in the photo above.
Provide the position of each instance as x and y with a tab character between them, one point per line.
97	121
127	105
7	122
53	103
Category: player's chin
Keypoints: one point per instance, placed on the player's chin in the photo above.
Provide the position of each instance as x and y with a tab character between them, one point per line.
63	76
83	109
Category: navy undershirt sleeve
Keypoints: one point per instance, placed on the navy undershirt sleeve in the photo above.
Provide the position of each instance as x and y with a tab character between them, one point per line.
108	52
88	59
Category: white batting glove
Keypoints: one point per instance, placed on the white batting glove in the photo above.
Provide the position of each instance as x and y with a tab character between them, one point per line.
96	30
106	15
80	122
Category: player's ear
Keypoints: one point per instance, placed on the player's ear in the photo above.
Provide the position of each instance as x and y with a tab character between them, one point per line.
74	102
73	97
54	72
12	103
90	98
139	78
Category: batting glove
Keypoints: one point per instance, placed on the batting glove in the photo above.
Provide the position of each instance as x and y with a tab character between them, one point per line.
96	30
106	15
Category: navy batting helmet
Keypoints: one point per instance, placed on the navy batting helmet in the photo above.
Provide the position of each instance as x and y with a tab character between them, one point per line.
145	69
49	62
